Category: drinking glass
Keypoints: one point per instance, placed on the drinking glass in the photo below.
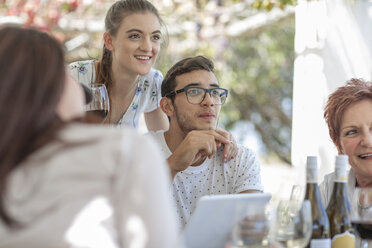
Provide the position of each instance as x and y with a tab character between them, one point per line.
297	193
98	108
248	232
292	224
361	215
251	228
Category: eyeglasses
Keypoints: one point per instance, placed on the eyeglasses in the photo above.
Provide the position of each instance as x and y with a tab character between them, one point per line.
196	95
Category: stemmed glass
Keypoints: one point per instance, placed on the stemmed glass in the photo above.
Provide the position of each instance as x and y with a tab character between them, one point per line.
98	108
361	215
292	224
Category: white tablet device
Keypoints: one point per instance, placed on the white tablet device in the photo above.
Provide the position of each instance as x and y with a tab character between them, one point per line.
215	215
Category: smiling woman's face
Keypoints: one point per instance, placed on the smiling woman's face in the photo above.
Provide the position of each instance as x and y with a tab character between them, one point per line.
136	45
356	137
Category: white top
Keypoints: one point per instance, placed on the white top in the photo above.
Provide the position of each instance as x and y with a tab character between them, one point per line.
146	99
213	177
326	187
92	188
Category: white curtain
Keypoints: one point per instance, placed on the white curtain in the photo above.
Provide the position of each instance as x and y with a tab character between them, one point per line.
333	43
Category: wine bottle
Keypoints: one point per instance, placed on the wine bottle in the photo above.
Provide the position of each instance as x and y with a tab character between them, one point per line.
338	209
320	237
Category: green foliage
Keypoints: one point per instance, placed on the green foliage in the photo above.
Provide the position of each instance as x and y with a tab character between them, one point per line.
270	4
259	73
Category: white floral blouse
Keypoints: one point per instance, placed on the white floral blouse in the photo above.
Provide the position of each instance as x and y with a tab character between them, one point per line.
146	99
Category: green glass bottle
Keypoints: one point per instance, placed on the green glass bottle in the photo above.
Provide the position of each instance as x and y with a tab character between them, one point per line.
338	209
320	237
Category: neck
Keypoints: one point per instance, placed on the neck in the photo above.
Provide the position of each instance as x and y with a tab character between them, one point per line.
363	181
174	136
123	81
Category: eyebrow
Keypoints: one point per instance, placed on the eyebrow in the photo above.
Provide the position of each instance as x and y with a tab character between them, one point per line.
140	31
348	127
198	84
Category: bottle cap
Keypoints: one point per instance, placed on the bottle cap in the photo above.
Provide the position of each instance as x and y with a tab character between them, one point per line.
340	170
312	162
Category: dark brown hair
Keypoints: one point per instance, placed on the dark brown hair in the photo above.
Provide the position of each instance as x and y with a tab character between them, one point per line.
181	67
354	91
114	17
32	77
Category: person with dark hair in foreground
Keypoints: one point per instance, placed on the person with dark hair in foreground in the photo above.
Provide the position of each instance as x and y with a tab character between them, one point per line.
65	183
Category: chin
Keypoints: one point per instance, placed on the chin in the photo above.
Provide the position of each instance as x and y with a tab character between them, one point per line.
207	127
144	72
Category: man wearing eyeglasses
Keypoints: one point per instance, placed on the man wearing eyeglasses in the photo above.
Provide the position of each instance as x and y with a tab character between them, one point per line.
192	100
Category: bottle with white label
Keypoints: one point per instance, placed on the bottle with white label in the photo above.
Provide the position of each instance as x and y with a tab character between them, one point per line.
338	209
320	237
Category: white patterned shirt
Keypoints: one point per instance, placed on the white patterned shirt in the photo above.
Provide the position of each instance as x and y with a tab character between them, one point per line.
146	99
212	177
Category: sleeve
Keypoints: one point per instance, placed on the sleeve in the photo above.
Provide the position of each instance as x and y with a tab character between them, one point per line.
249	177
325	189
143	204
73	69
156	79
83	71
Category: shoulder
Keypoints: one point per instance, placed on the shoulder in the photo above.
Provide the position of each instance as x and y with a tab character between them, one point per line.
245	159
154	74
105	136
81	67
329	178
246	153
327	182
157	136
81	63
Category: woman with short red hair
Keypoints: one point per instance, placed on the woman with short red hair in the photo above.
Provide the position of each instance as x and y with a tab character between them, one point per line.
349	117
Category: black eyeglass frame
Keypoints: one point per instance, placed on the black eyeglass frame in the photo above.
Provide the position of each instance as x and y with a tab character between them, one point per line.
226	92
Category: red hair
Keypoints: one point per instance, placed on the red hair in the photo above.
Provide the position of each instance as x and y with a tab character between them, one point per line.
354	91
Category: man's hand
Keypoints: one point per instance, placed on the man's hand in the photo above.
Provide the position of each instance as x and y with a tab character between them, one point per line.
195	148
231	149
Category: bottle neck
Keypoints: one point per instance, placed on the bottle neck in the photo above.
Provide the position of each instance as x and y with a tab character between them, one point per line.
312	192
311	175
340	183
340	174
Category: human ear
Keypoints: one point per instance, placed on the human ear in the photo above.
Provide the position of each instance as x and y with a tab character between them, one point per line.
167	106
107	39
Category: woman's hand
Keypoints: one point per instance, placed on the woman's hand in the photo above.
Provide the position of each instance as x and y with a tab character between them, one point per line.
230	150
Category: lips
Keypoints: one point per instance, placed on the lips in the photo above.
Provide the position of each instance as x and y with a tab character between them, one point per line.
365	155
142	57
207	115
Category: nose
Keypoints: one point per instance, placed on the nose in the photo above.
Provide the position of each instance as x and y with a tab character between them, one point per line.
146	45
207	101
367	139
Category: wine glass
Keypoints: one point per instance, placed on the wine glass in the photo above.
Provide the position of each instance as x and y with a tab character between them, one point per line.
98	108
361	215
292	224
251	229
297	196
